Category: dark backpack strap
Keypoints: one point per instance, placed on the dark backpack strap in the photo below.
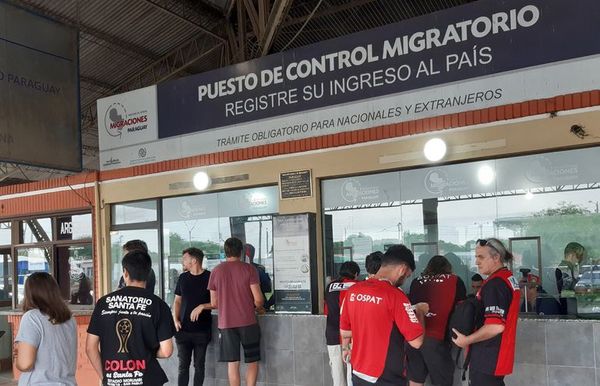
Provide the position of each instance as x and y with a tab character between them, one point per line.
466	364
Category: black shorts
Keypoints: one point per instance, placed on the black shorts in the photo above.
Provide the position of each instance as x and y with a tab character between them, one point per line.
231	338
433	359
477	378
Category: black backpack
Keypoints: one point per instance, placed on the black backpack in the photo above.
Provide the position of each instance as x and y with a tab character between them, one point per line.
466	317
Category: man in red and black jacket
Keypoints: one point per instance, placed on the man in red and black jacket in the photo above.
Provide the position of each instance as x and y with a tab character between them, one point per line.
334	296
493	345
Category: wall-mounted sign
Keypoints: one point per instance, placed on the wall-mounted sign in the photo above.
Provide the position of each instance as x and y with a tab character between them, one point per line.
293	257
39	90
296	184
482	54
64	227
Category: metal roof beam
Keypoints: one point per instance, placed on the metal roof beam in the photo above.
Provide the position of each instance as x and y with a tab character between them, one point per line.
278	13
182	12
84	28
327	11
96	82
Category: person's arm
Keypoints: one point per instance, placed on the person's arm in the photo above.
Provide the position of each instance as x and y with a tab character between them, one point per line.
496	298
176	312
409	320
214	303
26	355
259	299
417	342
488	331
346	341
165	350
195	314
92	349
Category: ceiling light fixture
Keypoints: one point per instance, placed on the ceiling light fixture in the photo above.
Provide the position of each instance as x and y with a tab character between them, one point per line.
201	181
435	149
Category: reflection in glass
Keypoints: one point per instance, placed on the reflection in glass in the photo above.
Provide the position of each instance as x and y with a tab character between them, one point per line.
205	221
76	227
561	212
119	238
30	260
6	274
37	230
134	212
75	273
5	235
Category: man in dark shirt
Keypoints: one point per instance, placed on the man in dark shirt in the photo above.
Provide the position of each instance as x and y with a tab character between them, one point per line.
139	245
493	345
373	263
334	296
476	283
191	314
129	329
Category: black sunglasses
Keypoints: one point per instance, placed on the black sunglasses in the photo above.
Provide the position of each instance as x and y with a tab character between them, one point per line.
489	243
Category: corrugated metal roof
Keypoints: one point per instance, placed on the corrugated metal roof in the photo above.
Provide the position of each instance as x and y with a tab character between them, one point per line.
121	38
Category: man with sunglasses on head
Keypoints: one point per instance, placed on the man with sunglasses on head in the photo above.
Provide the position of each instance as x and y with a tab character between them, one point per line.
493	344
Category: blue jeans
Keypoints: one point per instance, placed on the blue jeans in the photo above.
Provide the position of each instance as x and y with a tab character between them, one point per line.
188	342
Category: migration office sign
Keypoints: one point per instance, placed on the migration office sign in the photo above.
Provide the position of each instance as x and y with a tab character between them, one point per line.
479	55
39	91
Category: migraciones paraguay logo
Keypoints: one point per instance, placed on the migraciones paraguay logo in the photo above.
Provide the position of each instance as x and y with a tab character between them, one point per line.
353	191
116	119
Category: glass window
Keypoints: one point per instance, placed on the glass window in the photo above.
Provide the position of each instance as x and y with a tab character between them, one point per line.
119	238
30	260
543	207
76	227
75	273
134	212
6	275
205	221
5	235
36	230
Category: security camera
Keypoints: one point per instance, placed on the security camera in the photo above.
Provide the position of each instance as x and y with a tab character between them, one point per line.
579	131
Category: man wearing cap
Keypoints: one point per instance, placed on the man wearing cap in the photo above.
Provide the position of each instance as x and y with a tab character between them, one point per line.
536	299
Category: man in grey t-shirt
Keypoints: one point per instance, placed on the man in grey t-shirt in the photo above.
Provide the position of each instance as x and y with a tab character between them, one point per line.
56	349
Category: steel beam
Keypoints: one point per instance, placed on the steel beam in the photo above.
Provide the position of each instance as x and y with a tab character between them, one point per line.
278	13
182	11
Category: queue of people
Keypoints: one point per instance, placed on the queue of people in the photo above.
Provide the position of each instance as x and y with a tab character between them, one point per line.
376	334
389	338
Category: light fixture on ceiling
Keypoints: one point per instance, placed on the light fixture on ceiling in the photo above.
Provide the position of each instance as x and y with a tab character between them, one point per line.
201	181
434	149
486	175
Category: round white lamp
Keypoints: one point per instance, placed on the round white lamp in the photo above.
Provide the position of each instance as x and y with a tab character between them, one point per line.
435	149
201	181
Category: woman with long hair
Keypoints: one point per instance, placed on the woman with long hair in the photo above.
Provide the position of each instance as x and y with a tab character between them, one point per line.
46	344
441	289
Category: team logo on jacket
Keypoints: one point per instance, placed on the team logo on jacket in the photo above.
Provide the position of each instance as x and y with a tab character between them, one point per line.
123	328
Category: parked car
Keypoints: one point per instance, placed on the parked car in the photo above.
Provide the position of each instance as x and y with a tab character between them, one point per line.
589	283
